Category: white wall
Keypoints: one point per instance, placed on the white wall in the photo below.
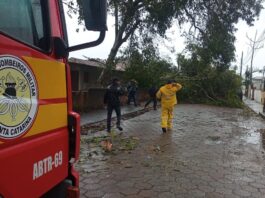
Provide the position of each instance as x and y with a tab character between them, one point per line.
258	85
257	96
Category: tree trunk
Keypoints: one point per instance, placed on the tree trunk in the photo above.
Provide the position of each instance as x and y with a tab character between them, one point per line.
116	15
120	38
107	73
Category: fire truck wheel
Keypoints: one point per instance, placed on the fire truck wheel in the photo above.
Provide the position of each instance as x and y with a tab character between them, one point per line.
59	191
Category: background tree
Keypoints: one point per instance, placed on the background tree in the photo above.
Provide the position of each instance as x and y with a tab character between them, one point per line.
146	67
212	24
203	82
206	16
131	15
205	72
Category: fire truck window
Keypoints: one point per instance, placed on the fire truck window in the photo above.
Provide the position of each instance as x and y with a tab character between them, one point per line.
23	20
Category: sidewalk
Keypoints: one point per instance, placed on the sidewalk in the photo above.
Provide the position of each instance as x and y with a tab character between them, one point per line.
255	106
212	152
101	114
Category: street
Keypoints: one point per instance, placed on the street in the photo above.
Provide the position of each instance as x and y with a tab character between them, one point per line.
211	152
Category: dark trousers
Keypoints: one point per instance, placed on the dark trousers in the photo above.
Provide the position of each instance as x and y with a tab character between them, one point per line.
118	113
152	99
132	97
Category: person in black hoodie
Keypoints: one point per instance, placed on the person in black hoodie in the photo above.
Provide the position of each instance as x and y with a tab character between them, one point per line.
112	100
132	89
152	93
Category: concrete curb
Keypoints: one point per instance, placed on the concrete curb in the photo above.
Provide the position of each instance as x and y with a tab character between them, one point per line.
123	116
262	115
258	113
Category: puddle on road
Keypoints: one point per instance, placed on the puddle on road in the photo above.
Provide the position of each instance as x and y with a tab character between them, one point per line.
252	138
262	132
213	140
255	137
254	132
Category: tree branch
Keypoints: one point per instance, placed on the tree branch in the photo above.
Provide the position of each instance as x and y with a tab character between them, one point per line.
70	6
131	31
193	21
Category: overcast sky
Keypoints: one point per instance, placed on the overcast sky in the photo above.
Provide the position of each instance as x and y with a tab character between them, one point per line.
176	42
242	43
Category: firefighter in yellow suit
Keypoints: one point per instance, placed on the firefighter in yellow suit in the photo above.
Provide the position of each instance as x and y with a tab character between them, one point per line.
167	95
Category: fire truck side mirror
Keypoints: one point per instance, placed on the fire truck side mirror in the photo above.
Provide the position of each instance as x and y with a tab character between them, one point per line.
60	48
95	14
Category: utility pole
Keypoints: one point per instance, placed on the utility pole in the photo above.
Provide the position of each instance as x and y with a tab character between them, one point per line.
263	72
241	64
253	48
246	82
255	45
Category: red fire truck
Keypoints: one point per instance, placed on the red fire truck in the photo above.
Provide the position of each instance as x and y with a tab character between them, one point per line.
39	132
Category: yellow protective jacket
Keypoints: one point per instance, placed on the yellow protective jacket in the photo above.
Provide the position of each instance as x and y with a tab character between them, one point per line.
167	94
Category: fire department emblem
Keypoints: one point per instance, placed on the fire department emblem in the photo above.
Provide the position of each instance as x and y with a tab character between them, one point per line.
18	97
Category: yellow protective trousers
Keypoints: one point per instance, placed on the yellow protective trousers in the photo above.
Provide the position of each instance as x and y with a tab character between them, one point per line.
167	117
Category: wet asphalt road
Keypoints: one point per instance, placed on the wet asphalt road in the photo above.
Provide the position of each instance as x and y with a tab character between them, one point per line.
212	152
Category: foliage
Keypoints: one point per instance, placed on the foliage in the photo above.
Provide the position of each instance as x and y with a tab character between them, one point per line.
204	83
213	27
209	17
75	8
138	17
205	71
147	68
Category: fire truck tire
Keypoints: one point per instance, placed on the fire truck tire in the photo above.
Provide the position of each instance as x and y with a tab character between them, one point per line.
59	191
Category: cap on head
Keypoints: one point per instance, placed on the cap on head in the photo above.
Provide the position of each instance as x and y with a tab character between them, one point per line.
115	80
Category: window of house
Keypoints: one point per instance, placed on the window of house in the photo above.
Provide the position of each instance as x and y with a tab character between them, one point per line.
26	21
75	80
86	77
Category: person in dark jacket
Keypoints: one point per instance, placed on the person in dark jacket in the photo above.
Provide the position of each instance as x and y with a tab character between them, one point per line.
152	93
112	100
132	88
